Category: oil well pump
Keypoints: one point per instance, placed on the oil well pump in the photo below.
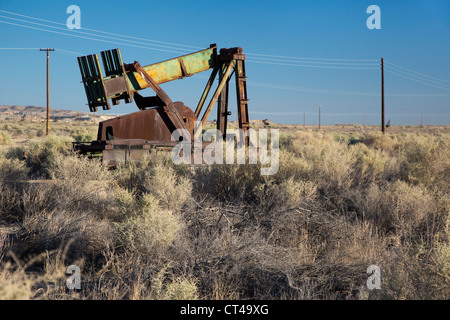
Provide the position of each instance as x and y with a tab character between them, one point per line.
128	137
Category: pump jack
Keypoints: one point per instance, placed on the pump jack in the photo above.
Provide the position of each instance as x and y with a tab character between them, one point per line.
128	137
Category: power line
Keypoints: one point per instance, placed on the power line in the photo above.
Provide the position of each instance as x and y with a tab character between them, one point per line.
412	71
89	38
410	75
312	90
315	90
89	34
72	53
115	42
176	44
19	48
417	80
124	36
310	66
303	58
316	62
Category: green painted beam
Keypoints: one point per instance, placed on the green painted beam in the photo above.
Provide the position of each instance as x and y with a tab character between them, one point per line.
117	86
172	69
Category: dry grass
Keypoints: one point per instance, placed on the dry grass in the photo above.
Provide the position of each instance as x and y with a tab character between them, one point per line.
341	201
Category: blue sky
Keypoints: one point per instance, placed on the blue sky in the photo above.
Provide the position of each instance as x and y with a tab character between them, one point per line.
332	35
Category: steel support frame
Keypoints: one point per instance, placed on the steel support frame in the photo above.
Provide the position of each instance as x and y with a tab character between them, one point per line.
225	69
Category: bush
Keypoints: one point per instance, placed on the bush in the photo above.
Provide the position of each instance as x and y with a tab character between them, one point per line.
146	227
83	135
229	182
68	166
40	157
371	165
403	210
418	273
158	176
379	141
12	170
40	132
176	289
44	229
5	138
427	162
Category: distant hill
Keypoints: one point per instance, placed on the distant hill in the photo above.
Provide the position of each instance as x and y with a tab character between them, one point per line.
37	112
15	112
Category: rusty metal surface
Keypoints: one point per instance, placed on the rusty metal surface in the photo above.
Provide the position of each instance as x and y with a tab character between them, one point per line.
152	124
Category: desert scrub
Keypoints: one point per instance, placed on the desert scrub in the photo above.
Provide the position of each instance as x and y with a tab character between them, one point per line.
12	170
5	138
146	227
14	284
229	182
427	161
71	166
290	193
379	141
418	272
40	157
157	175
176	288
407	211
83	135
49	220
325	161
86	184
372	165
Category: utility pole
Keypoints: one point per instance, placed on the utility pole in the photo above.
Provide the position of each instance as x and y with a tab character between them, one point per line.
48	90
304	120
319	115
421	120
364	120
383	128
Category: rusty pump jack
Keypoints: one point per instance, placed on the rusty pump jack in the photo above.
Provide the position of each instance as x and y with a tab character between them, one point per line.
126	138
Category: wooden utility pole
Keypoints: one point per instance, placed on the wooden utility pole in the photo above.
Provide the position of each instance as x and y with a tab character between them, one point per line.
364	120
48	90
319	115
304	120
421	120
383	127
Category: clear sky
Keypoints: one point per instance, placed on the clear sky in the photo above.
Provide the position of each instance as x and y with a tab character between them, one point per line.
299	54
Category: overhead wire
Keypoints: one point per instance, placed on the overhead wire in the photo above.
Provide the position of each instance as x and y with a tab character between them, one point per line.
119	35
328	63
304	58
312	90
58	50
311	66
173	46
315	62
396	72
19	48
89	38
412	71
315	90
89	34
411	76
